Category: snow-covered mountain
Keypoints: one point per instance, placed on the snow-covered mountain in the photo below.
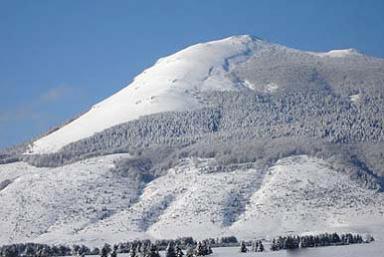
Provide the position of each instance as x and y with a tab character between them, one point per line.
172	84
175	83
236	136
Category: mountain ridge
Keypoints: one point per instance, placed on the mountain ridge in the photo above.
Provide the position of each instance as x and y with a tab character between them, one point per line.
172	84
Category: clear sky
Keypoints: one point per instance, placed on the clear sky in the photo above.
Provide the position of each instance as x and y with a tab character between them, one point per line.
58	57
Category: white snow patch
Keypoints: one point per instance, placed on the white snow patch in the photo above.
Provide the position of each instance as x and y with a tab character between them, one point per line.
271	87
248	84
355	98
341	53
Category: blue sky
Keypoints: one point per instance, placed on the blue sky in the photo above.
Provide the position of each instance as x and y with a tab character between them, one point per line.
58	57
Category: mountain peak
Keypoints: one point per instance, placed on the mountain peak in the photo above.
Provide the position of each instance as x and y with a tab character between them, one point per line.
174	83
170	85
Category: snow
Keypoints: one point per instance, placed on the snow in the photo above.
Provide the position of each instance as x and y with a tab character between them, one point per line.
86	202
355	98
271	87
173	83
340	53
58	200
374	249
266	88
306	194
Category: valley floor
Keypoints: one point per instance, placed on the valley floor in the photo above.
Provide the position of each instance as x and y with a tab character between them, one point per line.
374	249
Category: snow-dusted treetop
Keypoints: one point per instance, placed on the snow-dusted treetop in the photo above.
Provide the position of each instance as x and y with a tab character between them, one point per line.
172	84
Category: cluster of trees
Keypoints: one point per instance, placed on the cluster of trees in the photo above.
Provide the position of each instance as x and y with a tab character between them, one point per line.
137	250
202	248
148	249
256	246
44	250
180	247
184	246
294	242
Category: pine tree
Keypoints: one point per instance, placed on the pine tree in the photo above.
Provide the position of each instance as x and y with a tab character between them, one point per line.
243	247
261	247
132	251
254	246
105	250
190	251
179	252
170	251
209	249
274	245
199	250
114	252
152	251
144	249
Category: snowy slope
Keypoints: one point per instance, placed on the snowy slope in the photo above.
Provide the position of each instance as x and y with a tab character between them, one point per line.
174	84
39	200
86	202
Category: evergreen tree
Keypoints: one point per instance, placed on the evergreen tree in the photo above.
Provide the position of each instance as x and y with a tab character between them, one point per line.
179	252
170	251
254	246
144	249
105	250
199	250
114	252
243	247
132	251
190	251
152	251
261	247
209	249
274	245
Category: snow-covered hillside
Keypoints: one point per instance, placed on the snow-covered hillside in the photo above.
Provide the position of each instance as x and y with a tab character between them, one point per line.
175	82
87	202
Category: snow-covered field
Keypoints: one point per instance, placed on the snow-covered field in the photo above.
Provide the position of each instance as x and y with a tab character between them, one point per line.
86	202
374	249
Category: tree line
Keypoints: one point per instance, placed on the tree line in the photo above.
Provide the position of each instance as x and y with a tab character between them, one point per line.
333	239
184	246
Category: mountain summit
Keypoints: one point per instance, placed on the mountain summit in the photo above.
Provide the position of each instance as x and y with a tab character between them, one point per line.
175	82
172	84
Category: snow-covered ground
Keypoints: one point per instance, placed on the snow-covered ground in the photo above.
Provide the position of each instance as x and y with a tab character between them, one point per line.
86	202
374	250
